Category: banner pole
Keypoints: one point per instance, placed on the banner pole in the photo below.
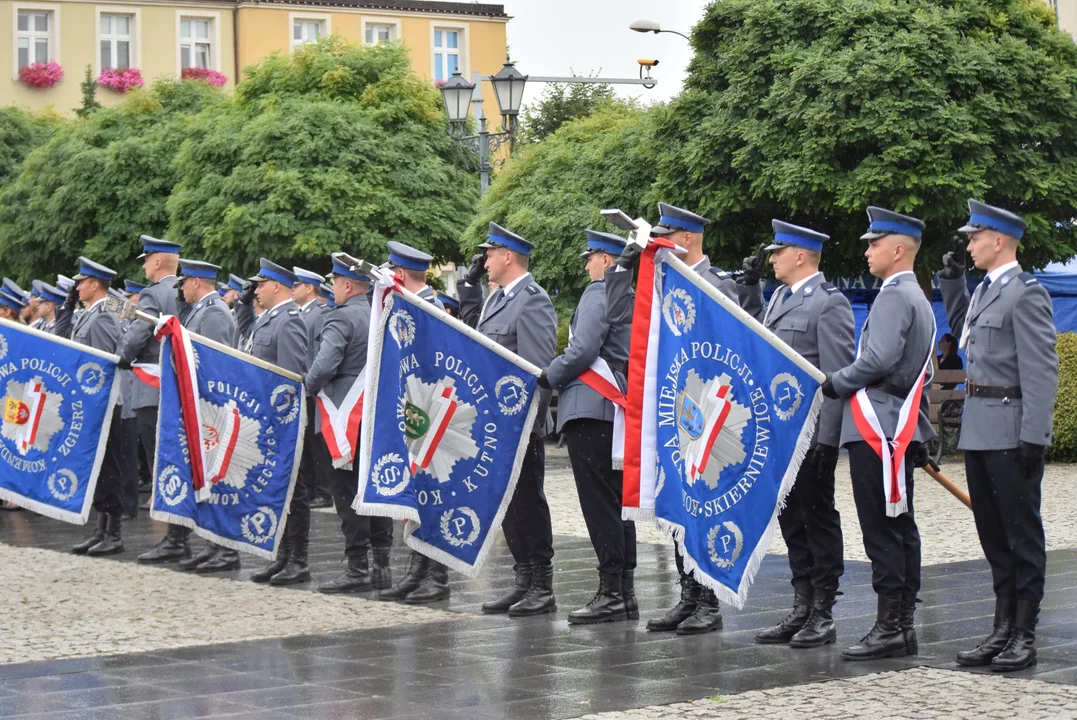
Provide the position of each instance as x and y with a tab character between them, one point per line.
933	470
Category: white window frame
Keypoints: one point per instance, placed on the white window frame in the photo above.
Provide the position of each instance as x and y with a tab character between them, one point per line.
464	50
215	50
136	32
54	31
324	19
374	20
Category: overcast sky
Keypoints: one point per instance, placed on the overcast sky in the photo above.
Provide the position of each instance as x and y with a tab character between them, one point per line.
585	37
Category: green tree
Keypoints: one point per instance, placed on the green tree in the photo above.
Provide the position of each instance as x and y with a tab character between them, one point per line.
89	95
560	103
810	110
20	133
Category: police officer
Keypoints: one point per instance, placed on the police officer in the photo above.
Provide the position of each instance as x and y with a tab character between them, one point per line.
11	307
451	304
128	436
305	295
66	312
519	316
279	336
325	295
896	345
412	265
51	299
1008	332
100	329
586	419
22	297
33	306
816	320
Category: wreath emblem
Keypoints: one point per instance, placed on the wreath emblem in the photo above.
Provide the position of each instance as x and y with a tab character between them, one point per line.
402	328
285	402
679	311
91	377
3	347
511	394
390	485
253	525
787	402
171	487
446	528
738	545
63	484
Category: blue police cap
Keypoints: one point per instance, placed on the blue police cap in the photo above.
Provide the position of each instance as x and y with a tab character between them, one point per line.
499	237
325	290
988	217
308	277
235	282
883	222
133	288
272	271
35	288
52	294
449	301
89	269
14	290
64	282
198	269
603	242
787	234
223	289
342	269
674	219
405	256
16	304
151	245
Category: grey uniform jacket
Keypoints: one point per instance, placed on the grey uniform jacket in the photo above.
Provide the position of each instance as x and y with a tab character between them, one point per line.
245	319
211	318
101	330
620	298
817	322
341	352
896	341
1012	343
127	379
139	343
313	315
522	321
592	336
63	324
430	295
280	337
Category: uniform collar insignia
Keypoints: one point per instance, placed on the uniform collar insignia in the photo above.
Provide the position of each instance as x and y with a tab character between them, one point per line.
1005	279
808	289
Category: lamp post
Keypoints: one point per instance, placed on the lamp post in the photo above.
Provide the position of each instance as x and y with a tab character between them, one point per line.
650	26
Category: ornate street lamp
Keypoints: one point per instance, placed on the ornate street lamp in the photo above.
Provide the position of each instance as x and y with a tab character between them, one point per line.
509	86
456	95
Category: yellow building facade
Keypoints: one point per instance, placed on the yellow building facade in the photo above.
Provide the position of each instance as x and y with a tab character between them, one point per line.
1067	14
160	39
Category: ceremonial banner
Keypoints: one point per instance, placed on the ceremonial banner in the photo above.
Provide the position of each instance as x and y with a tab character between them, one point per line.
734	415
447	419
236	488
58	399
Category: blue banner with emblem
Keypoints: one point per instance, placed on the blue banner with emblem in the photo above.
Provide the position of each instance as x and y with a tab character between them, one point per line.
446	424
58	400
736	414
251	416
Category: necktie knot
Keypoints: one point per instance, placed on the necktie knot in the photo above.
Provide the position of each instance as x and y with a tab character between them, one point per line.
786	295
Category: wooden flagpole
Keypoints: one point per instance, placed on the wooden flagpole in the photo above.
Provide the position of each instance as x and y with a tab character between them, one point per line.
933	470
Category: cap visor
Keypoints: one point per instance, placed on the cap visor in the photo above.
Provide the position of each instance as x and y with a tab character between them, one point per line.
774	246
257	279
969	229
660	230
873	235
489	245
80	276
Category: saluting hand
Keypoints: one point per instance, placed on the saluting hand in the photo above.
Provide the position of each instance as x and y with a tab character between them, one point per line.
629	257
478	266
247	296
953	263
753	266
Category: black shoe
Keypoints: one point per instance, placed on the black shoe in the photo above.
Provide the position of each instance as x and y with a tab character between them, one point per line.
539	599
174	546
996	642
296	571
413	576
382	569
707	617
321	501
521	584
283	551
908	625
628	591
355	579
223	560
204	554
433	588
98	536
819	629
1019	652
112	543
886	639
608	604
791	624
690	592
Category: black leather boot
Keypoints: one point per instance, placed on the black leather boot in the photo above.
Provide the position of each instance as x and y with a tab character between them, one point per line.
283	551
433	588
413	576
205	554
908	624
819	629
381	569
296	571
539	598
1019	652
707	617
790	625
886	639
690	592
608	604
112	543
98	536
356	578
628	590
986	651
173	546
520	586
224	560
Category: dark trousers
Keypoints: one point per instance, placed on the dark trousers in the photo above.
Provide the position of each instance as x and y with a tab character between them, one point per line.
1006	505
108	494
811	526
360	531
527	526
299	510
146	420
599	486
892	544
318	485
128	442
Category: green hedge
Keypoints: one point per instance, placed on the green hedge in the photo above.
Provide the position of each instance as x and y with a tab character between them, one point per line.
1065	445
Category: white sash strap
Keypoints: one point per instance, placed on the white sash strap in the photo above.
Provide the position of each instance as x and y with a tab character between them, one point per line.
340	425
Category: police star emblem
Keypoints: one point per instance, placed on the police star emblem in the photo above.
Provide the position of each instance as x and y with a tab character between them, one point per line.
230	443
710	424
31	415
438	427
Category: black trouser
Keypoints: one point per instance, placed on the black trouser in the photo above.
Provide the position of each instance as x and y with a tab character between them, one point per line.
128	442
299	510
108	494
146	419
590	449
318	484
1006	505
811	526
891	543
360	531
527	526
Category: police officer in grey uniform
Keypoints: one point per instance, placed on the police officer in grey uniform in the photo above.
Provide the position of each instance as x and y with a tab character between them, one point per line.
51	299
33	305
519	316
816	320
10	307
896	343
305	295
66	312
128	419
1007	329
586	420
412	265
279	336
101	330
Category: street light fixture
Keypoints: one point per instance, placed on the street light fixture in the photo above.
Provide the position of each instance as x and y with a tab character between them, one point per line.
456	95
650	26
509	86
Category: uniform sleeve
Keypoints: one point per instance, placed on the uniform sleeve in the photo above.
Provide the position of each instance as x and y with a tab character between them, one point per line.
1037	363
64	318
105	332
883	349
750	298
955	297
591	329
292	345
726	285
244	320
141	334
620	300
470	303
219	325
336	335
836	350
536	330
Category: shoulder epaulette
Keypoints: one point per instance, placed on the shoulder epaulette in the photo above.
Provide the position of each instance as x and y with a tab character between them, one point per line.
719	272
1028	278
829	287
293	312
533	289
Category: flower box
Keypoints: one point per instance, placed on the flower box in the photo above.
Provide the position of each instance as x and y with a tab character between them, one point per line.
212	77
120	80
41	75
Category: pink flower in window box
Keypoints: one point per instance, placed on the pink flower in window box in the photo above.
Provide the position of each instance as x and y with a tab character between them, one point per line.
41	75
120	80
206	75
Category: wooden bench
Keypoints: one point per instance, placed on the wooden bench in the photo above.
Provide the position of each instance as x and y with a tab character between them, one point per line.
945	407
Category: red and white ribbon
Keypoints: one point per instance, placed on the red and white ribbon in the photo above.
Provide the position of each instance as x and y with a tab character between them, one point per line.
168	326
340	425
34	398
444	406
600	378
149	373
712	428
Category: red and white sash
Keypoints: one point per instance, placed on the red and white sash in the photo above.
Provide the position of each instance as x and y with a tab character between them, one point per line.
34	399
712	428
600	378
149	373
340	425
443	408
190	406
